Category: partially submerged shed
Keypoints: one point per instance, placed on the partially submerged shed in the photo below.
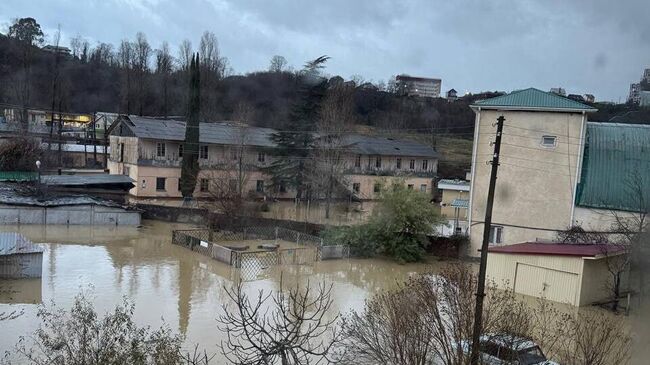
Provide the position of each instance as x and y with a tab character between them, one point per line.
19	257
575	274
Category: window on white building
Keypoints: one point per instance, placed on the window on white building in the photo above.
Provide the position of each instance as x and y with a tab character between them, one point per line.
180	150
412	165
203	152
423	188
425	165
496	235
399	163
160	183
204	185
261	157
161	149
356	187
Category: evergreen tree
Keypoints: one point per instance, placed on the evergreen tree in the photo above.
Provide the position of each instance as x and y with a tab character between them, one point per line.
190	167
295	140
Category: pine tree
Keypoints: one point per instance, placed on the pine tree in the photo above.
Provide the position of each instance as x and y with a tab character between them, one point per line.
290	168
190	167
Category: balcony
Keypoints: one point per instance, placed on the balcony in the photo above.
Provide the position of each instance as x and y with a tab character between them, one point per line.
373	171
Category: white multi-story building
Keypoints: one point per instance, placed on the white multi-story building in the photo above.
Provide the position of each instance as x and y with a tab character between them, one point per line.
418	86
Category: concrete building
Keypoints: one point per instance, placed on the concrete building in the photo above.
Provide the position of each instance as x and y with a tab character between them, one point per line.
19	257
644	99
454	204
635	93
57	49
79	155
556	169
646	75
559	91
567	273
150	152
418	86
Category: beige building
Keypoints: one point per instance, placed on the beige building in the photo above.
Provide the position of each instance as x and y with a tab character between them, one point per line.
233	156
572	274
418	86
454	204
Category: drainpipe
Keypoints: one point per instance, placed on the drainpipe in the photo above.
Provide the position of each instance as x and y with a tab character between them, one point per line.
581	146
473	170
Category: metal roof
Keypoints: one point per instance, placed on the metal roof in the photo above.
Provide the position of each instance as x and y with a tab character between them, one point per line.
370	145
615	157
460	203
12	243
227	133
532	99
559	249
9	196
99	179
70	147
453	184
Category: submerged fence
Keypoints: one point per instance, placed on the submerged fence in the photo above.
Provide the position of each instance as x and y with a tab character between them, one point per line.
215	244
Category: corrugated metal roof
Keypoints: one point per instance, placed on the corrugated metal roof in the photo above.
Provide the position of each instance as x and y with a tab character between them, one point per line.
453	184
217	133
99	179
12	243
370	145
532	99
558	249
460	203
615	155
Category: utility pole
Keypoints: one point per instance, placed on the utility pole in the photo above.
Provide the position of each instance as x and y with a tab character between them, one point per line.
480	290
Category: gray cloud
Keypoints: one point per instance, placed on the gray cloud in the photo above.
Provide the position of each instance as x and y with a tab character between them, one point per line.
586	46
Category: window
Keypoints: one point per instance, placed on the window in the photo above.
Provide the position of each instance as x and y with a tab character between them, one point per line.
180	150
33	118
409	186
203	187
548	141
233	154
423	188
283	188
412	165
160	149
121	152
179	184
232	185
377	188
356	187
144	183
203	152
261	157
425	165
126	170
378	162
496	235
357	161
160	183
260	186
399	163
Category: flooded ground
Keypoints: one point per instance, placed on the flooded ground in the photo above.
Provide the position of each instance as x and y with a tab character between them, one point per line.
170	283
167	281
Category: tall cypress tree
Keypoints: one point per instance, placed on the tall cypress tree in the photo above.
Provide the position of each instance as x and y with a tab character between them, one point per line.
190	167
294	142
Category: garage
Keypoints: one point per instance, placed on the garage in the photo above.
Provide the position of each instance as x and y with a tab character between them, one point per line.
574	274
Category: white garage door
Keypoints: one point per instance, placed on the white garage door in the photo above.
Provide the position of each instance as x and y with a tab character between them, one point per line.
559	286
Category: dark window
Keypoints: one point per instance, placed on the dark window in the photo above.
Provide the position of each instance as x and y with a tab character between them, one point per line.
204	185
180	150
261	157
233	154
377	188
203	152
232	185
399	163
496	234
179	184
121	152
283	188
160	183
412	165
160	149
260	186
425	165
490	348
409	186
357	161
356	187
378	162
548	141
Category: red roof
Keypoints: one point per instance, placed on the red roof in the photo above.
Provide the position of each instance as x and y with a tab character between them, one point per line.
559	249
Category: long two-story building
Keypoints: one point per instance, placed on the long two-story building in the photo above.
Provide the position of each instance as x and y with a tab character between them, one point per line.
150	151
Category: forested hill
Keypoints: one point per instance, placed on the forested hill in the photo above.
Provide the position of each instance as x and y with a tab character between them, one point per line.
136	79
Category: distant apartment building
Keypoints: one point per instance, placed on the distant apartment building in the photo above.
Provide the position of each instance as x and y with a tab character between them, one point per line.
418	86
646	75
644	99
235	156
559	91
635	93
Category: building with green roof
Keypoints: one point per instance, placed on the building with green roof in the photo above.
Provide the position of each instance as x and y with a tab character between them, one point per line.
534	100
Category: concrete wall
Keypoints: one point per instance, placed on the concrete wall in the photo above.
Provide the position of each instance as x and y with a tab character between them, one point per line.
17	266
447	210
75	215
536	184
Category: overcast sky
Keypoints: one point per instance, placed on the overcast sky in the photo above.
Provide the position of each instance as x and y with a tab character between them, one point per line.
590	46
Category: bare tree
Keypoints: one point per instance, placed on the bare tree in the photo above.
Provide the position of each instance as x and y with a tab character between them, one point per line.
164	68
126	57
288	327
213	68
75	45
142	52
185	55
277	64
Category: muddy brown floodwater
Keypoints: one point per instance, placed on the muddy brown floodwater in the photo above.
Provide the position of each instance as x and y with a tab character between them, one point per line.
182	288
165	281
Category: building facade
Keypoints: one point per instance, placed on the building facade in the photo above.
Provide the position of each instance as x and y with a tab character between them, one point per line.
234	157
454	204
418	86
